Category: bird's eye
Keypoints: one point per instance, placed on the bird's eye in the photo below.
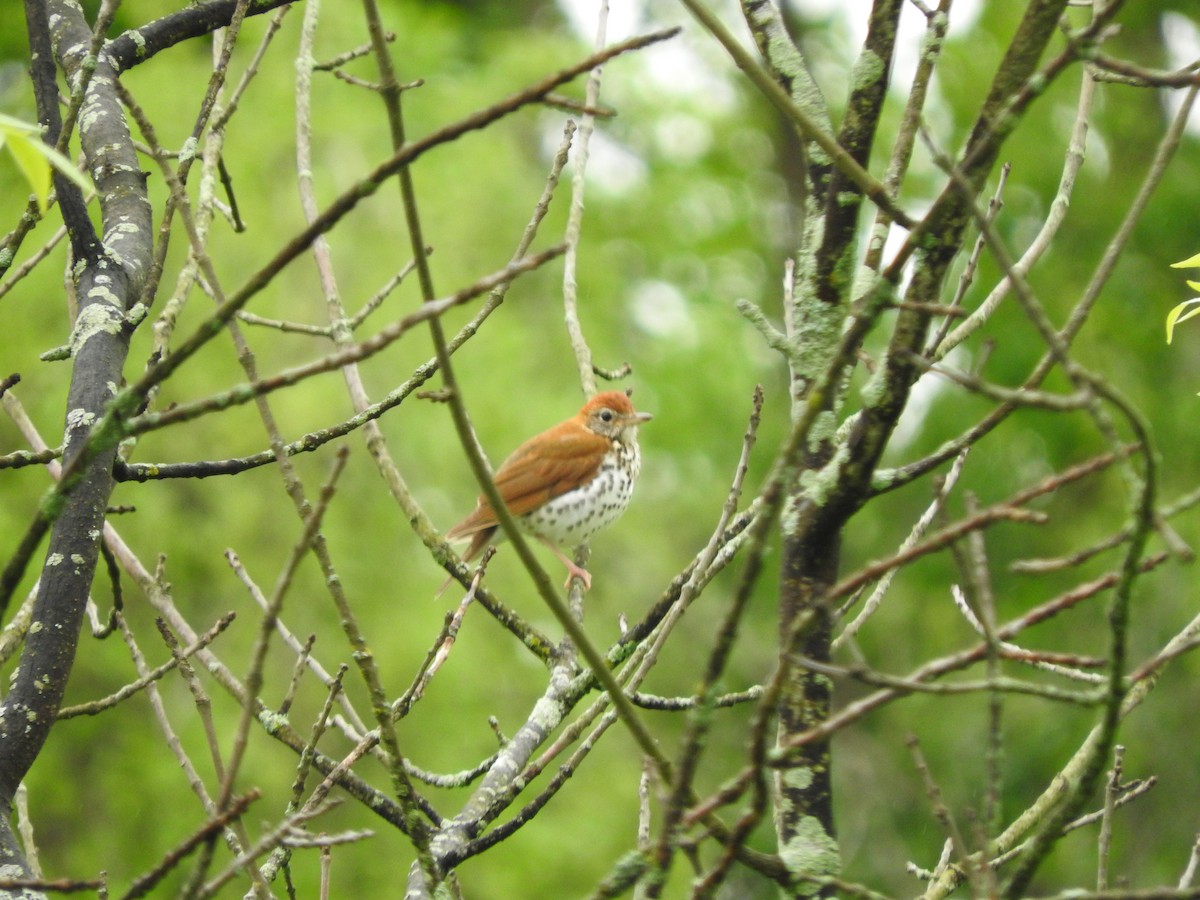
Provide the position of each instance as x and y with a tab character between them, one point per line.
606	415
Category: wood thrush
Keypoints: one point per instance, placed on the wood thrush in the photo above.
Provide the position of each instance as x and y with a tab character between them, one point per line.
567	483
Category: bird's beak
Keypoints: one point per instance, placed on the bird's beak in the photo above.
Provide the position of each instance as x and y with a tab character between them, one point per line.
640	418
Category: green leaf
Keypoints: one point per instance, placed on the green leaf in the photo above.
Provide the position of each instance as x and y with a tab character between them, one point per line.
33	165
1177	315
35	158
9	125
1190	262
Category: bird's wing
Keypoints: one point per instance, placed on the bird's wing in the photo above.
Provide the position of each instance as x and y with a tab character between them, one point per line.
545	467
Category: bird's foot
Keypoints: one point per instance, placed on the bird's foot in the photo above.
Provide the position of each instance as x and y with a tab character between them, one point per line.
573	571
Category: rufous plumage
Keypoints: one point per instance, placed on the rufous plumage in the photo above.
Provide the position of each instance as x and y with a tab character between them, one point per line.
565	484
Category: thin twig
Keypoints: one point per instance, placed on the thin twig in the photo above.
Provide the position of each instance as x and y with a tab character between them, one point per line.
254	676
94	707
235	809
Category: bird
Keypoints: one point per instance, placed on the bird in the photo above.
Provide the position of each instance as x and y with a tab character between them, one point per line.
567	483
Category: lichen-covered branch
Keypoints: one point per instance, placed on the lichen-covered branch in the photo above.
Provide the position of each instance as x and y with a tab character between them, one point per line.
107	276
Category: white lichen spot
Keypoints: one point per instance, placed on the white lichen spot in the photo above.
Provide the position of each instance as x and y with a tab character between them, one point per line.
822	430
102	292
867	281
77	559
868	70
136	313
798	779
818	157
545	713
31	715
188	150
35	627
789	521
811	851
88	117
818	484
54	559
80	418
120	260
95	318
873	390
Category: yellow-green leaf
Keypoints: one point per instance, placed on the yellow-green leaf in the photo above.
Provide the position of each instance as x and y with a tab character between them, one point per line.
9	125
35	158
1177	315
1190	262
33	165
64	166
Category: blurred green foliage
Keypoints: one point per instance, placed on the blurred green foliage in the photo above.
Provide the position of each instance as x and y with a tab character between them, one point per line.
688	209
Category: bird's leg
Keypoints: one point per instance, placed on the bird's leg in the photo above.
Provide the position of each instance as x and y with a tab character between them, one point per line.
574	571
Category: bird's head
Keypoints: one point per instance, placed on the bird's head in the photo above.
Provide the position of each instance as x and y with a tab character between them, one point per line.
611	414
